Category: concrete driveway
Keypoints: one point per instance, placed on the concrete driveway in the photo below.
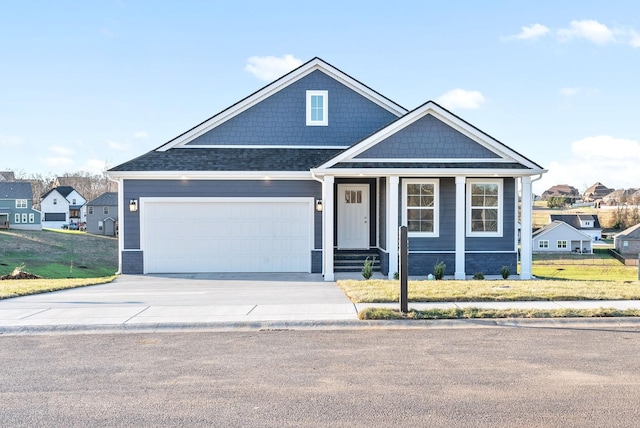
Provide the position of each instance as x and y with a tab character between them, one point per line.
182	300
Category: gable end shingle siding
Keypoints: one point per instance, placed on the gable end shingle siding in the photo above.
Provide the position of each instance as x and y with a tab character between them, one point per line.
428	137
280	119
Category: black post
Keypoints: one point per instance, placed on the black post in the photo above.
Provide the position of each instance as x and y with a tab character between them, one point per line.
403	253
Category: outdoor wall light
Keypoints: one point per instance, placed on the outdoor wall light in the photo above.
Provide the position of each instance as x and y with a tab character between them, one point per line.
319	205
133	205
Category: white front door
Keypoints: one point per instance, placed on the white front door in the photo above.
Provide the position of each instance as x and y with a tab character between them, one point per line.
353	216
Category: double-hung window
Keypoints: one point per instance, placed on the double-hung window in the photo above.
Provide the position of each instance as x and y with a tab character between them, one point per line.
317	108
484	207
543	244
561	244
21	203
420	211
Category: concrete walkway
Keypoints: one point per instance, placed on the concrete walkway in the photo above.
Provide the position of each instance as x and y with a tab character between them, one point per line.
223	299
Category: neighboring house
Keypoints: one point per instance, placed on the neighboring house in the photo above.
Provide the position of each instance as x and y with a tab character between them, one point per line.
62	205
620	197
560	237
627	242
102	214
316	165
586	223
16	206
595	192
570	193
7	176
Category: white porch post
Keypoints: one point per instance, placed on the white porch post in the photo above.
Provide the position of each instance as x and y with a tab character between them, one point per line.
525	233
392	224
327	227
461	183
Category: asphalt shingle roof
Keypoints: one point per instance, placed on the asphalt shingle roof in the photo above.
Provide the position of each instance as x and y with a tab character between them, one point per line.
229	159
15	190
106	199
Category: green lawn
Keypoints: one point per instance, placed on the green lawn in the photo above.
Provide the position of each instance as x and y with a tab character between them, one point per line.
57	254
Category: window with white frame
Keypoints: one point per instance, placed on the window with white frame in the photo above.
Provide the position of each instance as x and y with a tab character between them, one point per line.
25	217
317	108
543	244
32	218
16	219
561	244
420	211
484	207
105	210
21	203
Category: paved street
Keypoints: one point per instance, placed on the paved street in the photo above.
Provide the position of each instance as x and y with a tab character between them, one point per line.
494	376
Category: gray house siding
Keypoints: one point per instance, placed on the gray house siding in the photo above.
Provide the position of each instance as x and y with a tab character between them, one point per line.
281	118
428	138
136	189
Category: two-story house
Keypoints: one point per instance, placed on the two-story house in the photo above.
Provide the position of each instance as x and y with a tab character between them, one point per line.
16	206
62	205
102	214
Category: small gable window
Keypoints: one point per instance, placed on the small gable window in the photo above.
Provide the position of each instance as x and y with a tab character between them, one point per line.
562	244
21	203
543	244
317	108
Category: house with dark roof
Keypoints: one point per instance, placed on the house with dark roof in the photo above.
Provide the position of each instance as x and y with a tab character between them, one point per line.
102	214
62	206
316	168
560	237
16	206
627	242
570	193
586	223
595	192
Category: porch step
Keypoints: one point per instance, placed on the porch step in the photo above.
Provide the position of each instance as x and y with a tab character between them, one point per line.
353	260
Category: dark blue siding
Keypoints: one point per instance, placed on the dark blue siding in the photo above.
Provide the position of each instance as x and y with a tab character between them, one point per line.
280	119
132	262
428	138
421	264
490	263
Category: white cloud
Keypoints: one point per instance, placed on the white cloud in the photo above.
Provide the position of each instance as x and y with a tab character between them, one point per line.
270	67
95	166
118	146
634	39
10	141
141	134
530	32
58	163
609	160
588	29
62	150
461	99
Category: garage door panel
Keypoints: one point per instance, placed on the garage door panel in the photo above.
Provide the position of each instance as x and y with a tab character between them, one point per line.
213	236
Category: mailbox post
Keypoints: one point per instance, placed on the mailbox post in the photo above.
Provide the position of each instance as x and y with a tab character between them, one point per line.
403	253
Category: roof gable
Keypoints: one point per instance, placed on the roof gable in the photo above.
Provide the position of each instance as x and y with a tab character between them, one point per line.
107	198
567	230
431	136
575	220
271	104
631	232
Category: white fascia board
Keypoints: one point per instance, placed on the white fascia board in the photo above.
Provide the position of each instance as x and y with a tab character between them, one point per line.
446	117
430	160
425	172
211	175
267	91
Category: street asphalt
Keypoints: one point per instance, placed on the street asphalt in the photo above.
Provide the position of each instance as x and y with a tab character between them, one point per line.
136	302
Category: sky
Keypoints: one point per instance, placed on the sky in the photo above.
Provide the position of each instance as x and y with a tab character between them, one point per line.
87	85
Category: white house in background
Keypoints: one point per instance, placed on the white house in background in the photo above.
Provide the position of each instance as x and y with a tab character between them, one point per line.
585	223
560	237
62	205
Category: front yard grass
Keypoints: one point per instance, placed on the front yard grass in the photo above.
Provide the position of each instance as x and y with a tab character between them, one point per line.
475	313
23	287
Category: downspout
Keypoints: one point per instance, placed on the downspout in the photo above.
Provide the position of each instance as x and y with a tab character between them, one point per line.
120	222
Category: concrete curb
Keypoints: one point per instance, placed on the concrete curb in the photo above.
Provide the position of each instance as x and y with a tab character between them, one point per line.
555	323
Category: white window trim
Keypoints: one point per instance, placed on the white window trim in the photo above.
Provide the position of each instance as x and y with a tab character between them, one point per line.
500	183
325	108
566	243
21	203
32	218
105	210
436	206
545	241
16	218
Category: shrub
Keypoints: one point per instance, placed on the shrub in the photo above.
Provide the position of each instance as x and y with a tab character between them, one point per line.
505	271
396	275
478	275
367	269
438	270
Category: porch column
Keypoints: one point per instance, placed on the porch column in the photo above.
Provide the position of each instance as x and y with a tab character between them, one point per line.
461	183
525	233
392	224
327	227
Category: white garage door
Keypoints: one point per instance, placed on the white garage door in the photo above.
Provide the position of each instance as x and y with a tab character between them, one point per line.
225	235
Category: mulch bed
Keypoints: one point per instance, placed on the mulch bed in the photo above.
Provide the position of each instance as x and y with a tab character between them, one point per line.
19	275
